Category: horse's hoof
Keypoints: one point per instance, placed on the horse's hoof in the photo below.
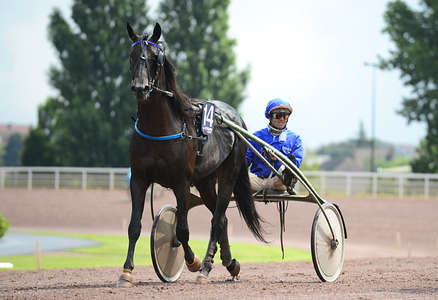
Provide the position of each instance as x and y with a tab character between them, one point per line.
195	266
201	278
125	280
234	268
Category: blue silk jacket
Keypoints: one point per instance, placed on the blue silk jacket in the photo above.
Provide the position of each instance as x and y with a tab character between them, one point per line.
288	142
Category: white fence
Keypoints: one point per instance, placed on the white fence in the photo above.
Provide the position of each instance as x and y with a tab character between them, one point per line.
63	178
366	183
326	183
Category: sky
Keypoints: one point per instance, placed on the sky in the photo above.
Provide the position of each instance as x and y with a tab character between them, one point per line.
310	53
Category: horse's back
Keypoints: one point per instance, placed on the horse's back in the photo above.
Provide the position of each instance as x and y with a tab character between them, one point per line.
220	143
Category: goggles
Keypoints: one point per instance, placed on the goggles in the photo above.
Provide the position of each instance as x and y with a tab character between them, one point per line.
280	115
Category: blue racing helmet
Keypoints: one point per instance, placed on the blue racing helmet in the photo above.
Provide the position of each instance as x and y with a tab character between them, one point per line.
277	103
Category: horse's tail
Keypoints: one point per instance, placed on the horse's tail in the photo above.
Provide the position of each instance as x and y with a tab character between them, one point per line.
245	203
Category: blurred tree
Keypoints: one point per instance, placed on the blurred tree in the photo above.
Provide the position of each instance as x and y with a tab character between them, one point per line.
88	123
11	156
337	153
2	151
426	162
196	34
37	150
415	36
311	162
399	161
4	225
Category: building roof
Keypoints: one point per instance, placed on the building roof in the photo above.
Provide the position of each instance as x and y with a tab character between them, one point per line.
6	130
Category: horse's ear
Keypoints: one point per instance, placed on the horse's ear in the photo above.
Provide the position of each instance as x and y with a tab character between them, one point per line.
132	34
157	33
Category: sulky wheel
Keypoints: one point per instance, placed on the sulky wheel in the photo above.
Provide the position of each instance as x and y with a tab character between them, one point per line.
328	253
166	251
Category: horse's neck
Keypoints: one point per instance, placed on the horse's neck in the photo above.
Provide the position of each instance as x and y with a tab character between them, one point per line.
157	118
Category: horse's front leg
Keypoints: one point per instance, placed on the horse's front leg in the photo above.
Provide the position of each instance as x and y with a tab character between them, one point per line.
138	192
182	194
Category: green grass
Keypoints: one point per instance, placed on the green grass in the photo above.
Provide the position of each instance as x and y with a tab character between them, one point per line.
113	248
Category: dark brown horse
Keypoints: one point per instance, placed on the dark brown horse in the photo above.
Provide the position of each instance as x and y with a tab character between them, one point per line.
162	151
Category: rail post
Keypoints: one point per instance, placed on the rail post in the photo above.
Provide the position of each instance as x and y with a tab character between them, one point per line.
426	186
84	179
111	180
2	179
29	179
374	185
348	185
56	179
400	186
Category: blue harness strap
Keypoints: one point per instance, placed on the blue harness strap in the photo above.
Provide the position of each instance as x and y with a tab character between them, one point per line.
160	138
147	42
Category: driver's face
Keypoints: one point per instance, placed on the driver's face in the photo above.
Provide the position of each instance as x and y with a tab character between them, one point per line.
279	123
279	120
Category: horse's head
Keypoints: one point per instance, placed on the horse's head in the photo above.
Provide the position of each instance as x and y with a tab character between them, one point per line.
146	59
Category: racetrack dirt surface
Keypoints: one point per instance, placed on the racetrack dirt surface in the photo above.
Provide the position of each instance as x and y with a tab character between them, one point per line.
391	251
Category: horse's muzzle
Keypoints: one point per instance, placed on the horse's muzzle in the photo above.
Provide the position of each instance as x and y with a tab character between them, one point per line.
144	89
140	88
139	85
141	93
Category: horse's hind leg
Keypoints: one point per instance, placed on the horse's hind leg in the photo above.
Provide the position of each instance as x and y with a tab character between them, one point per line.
218	233
226	179
207	191
182	193
138	192
208	194
228	176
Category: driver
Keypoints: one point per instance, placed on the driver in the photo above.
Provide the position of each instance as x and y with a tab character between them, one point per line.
277	135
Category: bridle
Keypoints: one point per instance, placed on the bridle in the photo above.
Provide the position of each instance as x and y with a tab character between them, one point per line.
143	58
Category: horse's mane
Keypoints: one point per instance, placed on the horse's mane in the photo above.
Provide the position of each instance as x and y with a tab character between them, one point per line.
182	102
